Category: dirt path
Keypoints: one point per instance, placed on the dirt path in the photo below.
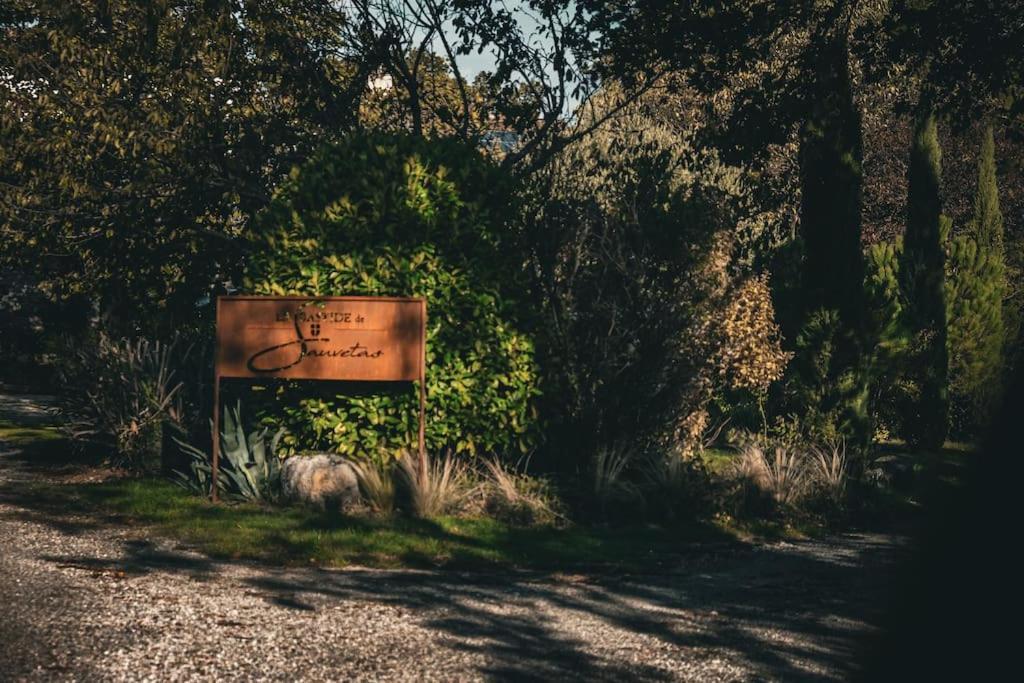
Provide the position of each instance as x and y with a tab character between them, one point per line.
81	599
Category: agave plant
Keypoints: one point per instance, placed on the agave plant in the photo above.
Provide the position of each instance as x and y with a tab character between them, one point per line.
249	466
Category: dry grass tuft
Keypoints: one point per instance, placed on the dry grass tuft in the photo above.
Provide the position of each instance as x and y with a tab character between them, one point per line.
516	497
780	473
377	485
442	487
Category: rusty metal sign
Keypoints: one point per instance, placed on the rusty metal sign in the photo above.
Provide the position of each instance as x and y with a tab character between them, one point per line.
338	338
354	338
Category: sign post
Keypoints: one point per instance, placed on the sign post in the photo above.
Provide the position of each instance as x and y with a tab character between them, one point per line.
354	338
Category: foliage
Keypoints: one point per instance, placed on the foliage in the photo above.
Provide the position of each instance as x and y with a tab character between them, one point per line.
137	138
120	392
785	477
830	470
395	216
830	378
608	481
974	295
775	471
922	278
676	485
632	236
826	386
975	288
442	486
249	466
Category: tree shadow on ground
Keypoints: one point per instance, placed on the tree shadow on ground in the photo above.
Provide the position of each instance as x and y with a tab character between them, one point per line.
794	612
791	611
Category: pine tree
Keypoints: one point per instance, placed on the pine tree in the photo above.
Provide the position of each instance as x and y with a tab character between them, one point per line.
922	282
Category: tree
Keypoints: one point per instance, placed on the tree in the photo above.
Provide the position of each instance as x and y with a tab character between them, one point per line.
975	290
137	138
632	236
922	282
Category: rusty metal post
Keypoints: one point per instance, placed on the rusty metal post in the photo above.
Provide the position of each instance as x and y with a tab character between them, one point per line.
215	464
423	389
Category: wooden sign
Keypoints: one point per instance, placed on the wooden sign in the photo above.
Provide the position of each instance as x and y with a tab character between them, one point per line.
339	338
354	338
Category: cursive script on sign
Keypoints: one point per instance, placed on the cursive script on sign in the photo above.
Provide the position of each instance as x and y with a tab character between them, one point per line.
299	348
337	338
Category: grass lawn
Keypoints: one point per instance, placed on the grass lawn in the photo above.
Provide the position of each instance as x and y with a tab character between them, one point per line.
300	536
291	536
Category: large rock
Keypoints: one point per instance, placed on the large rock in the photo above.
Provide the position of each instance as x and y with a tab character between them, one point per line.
323	480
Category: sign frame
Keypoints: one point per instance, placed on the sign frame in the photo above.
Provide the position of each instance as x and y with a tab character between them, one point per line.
314	300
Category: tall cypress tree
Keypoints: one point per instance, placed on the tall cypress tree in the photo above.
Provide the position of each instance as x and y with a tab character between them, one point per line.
922	281
975	287
830	385
988	219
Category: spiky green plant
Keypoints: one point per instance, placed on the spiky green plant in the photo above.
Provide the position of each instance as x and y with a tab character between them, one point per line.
249	466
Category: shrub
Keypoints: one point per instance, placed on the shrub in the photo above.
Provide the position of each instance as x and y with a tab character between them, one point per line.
394	215
608	474
250	468
635	234
442	486
120	392
922	282
974	294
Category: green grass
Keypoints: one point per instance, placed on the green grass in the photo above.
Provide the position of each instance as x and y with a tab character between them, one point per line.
291	536
300	536
718	460
20	436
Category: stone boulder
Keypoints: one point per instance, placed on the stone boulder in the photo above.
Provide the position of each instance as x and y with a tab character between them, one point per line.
323	480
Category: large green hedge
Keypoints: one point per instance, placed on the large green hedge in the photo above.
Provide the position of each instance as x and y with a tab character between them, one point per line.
395	216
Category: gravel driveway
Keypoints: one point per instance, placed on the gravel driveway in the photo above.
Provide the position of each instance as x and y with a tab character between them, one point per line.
86	599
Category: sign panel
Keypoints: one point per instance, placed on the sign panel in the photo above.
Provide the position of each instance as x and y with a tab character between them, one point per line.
335	338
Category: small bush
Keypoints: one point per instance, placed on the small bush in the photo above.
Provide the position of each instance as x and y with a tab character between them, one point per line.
120	392
784	478
829	470
442	487
608	480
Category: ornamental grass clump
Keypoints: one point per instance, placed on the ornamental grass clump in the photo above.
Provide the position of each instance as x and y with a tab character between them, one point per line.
829	470
377	485
515	497
777	471
438	487
120	393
